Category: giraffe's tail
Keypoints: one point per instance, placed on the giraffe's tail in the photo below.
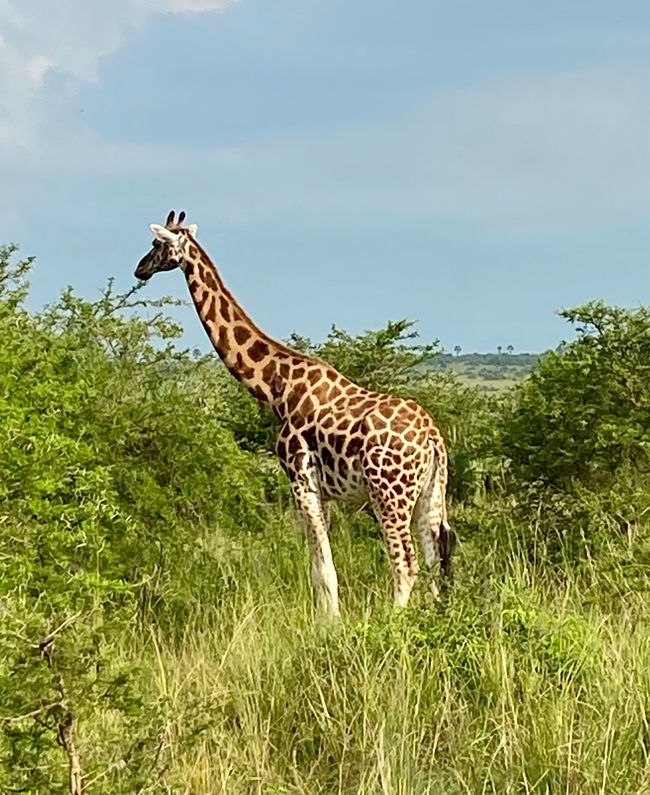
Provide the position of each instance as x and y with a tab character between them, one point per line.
446	534
447	545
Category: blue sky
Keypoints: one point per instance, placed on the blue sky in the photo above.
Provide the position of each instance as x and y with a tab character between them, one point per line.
473	166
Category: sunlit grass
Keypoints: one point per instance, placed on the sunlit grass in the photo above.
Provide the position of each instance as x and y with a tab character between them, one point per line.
520	682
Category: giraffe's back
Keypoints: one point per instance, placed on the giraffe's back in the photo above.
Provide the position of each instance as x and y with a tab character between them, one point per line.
372	438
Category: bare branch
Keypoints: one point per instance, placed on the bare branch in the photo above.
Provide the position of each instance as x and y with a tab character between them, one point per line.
66	740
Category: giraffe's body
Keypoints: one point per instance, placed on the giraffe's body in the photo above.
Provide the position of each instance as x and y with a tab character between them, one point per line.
337	439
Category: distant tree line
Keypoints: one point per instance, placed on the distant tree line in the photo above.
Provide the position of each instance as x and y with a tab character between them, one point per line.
512	359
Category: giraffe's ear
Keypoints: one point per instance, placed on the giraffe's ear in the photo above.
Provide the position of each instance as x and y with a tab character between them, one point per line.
192	229
163	234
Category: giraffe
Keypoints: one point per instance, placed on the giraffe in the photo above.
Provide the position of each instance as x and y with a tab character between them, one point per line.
337	440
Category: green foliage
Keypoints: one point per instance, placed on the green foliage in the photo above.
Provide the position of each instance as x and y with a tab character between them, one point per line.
577	434
584	414
491	371
108	447
383	360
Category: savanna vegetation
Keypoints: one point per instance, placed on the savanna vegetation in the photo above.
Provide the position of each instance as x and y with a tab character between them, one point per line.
492	371
157	632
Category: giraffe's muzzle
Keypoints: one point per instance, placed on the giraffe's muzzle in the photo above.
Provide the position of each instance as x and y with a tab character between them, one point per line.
142	270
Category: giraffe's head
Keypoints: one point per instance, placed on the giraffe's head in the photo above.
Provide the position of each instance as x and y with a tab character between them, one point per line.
170	248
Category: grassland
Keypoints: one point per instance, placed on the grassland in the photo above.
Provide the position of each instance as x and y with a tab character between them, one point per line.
491	372
523	679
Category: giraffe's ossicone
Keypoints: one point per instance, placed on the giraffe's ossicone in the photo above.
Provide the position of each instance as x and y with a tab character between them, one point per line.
338	440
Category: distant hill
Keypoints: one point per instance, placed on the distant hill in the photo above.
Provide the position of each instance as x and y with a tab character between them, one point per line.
494	371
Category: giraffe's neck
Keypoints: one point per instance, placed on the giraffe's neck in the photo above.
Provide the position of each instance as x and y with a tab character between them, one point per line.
262	364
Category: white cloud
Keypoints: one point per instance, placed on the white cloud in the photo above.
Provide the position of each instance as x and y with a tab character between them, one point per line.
41	38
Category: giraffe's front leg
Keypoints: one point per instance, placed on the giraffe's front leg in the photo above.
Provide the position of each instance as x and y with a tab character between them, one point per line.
307	495
298	462
323	574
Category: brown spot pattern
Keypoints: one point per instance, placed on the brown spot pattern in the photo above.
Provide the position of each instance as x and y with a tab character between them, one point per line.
224	309
241	334
210	314
210	281
268	372
224	344
258	350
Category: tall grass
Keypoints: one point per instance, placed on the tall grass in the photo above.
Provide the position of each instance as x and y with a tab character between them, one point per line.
523	680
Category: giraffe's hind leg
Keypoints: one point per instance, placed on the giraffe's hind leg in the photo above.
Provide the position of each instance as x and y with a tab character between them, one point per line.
393	508
396	530
436	536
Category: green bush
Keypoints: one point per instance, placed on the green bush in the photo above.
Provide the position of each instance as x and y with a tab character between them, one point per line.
115	463
584	413
576	437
